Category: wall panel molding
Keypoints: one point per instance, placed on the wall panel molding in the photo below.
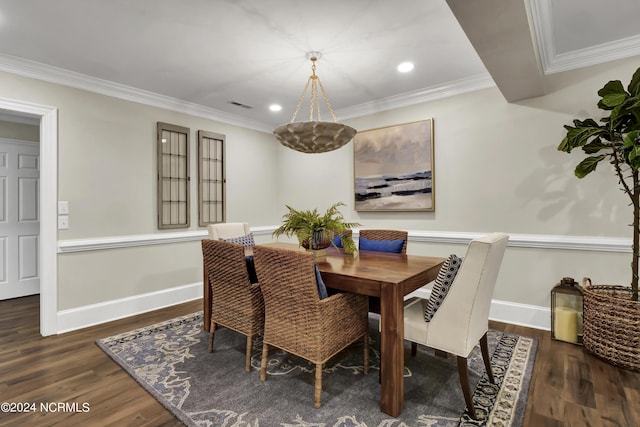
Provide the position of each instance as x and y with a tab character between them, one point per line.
48	73
538	241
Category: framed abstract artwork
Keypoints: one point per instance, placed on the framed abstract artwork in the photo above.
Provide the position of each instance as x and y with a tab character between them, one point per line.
393	168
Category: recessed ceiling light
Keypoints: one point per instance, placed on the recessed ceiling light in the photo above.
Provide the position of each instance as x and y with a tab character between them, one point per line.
275	107
405	67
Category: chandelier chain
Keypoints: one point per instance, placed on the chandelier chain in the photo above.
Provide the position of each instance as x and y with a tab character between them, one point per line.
314	102
326	99
304	91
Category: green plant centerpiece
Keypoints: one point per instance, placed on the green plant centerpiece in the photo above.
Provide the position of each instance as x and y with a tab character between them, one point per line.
315	231
612	313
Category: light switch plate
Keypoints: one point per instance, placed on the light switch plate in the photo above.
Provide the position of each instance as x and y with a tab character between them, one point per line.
63	208
63	222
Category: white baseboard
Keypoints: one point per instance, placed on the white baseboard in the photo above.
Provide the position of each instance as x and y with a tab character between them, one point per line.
531	316
82	317
94	314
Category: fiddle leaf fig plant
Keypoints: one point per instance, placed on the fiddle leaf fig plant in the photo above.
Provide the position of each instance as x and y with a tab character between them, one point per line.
616	139
307	224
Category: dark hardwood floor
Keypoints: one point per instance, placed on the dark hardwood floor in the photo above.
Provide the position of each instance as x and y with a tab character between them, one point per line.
568	387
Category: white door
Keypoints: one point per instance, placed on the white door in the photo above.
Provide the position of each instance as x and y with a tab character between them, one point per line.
19	218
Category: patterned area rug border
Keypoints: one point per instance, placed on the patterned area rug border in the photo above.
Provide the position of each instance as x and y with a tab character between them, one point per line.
155	356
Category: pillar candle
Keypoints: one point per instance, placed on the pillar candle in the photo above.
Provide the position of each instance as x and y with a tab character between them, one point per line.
566	324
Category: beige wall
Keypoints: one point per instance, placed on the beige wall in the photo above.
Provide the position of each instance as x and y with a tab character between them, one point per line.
497	169
107	173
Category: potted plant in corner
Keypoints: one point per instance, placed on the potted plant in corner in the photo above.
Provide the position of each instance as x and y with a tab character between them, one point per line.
314	231
612	313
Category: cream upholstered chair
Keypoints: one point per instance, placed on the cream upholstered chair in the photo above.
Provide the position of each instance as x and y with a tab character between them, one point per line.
298	321
462	318
227	230
237	303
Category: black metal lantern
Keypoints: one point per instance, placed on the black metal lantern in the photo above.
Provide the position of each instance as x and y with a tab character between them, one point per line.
566	311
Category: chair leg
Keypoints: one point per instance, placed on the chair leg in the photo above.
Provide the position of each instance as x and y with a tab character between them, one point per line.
212	330
318	386
263	363
464	382
247	357
414	349
366	353
484	347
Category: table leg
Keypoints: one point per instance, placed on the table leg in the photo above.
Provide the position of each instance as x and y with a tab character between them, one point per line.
206	300
391	349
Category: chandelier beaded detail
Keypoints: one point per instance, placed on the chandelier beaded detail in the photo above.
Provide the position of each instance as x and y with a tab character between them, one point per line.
314	136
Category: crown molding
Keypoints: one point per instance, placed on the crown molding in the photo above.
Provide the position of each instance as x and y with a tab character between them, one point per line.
553	62
457	87
36	70
619	49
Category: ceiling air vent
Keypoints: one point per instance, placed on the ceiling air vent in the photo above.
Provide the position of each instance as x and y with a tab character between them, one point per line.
239	104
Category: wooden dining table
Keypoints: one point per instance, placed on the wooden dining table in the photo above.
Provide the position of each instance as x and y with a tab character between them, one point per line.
389	277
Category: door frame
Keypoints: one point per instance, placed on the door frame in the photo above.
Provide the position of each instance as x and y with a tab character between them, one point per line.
48	197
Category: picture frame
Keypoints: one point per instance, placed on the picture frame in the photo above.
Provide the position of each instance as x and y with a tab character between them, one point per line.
394	168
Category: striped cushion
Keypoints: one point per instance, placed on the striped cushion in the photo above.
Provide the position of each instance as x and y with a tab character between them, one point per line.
445	278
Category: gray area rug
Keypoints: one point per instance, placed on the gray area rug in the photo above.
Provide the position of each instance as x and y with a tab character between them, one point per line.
170	360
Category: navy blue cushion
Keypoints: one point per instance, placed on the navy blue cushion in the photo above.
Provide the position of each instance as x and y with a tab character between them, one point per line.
394	246
337	241
322	288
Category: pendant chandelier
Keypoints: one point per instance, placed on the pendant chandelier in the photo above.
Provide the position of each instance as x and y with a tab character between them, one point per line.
314	136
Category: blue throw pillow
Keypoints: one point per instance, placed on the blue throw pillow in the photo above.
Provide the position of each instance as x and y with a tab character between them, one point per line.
322	288
394	246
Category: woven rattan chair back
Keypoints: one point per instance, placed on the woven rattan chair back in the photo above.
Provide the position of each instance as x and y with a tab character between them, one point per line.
297	321
373	234
236	303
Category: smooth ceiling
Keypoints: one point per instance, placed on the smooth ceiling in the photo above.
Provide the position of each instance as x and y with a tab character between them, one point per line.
252	52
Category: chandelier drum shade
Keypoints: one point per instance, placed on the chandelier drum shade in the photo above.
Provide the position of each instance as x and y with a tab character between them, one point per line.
314	136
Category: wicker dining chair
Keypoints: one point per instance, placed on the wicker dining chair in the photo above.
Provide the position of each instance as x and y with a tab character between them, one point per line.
373	234
298	321
236	303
